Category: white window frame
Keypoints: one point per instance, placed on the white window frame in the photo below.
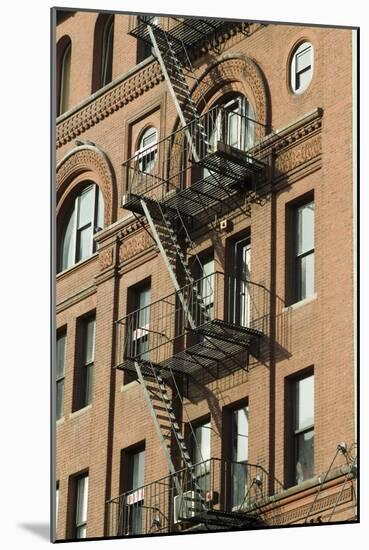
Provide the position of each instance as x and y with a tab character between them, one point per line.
81	506
97	212
293	70
144	151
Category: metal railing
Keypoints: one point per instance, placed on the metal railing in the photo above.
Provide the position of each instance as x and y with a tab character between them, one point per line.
185	32
165	327
185	157
228	486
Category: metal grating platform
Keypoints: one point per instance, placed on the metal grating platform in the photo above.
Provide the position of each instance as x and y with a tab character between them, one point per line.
188	32
212	343
225	520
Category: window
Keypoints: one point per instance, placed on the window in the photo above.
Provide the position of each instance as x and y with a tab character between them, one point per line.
239	456
64	78
85	365
303	276
56	504
147	151
133	465
303	432
140	320
233	125
302	66
239	277
85	218
107	52
61	341
201	454
81	505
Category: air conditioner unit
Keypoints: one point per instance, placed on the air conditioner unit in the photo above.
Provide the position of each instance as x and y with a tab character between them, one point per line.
186	506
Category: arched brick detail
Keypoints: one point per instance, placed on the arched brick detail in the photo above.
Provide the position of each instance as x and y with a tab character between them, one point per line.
91	162
235	69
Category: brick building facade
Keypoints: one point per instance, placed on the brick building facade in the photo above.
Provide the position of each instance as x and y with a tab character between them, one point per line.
253	362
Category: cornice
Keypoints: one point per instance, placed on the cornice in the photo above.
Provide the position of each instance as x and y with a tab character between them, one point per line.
101	106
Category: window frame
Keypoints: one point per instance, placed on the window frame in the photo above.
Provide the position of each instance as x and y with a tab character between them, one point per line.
132	517
294	73
64	86
145	151
78	525
60	380
84	366
294	292
292	433
106	75
96	215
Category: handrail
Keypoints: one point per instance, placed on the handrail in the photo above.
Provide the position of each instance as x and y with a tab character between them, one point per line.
163	298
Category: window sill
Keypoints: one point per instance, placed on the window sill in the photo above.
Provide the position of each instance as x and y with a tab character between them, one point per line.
130	385
76	266
60	421
301	303
80	411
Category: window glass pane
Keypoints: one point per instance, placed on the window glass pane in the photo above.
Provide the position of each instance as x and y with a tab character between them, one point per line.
87	384
100	210
304	456
202	444
82	500
107	61
60	355
65	79
59	398
306	276
240	435
138	469
303	79
81	532
305	228
90	329
303	59
68	247
86	206
56	506
84	243
305	402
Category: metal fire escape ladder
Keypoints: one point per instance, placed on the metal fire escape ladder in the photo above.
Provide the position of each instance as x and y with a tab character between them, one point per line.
175	79
170	266
175	428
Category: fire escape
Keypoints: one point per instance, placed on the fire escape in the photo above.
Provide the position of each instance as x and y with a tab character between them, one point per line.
185	182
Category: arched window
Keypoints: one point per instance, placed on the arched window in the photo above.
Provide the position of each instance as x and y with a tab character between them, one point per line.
102	72
84	219
147	151
64	76
107	52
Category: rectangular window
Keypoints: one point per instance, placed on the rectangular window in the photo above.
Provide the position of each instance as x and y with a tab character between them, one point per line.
85	362
303	432
56	504
132	472
201	454
302	279
81	505
139	323
61	341
239	282
239	457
